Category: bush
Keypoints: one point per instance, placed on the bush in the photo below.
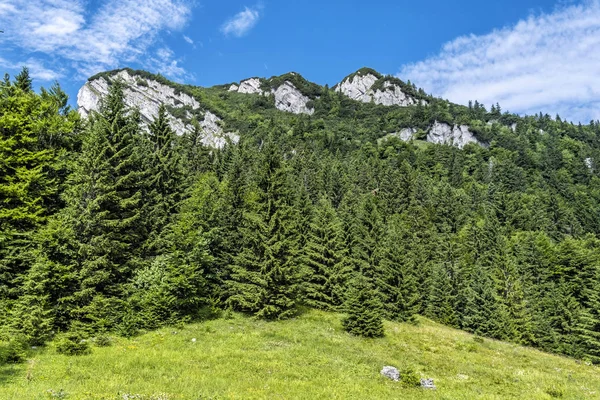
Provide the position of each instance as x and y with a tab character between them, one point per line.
72	344
14	351
409	377
102	341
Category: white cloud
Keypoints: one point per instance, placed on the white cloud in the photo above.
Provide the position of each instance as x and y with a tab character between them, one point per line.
548	63
165	63
37	69
241	23
90	40
188	39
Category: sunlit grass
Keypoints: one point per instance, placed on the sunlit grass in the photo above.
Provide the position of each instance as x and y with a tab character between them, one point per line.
310	357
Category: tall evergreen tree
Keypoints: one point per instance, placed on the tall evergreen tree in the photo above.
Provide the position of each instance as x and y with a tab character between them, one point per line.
106	206
165	184
323	255
363	309
265	274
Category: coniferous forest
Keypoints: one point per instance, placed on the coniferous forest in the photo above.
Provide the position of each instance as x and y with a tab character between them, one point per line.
109	227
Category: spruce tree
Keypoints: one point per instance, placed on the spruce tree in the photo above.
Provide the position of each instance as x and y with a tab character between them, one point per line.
265	274
165	183
398	284
323	255
106	208
363	309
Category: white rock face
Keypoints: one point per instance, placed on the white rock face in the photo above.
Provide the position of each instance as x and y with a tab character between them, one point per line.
147	97
287	96
405	134
392	95
443	133
360	88
251	86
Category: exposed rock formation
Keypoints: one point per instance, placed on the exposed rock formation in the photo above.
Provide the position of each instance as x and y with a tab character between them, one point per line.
441	133
406	134
251	86
360	87
287	97
147	95
456	135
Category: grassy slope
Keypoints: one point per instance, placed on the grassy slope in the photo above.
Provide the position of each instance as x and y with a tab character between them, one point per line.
307	358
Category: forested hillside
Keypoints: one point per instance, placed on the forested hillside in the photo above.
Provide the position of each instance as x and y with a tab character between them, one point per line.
110	227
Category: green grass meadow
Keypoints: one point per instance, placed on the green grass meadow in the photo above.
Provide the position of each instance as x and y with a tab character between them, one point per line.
309	357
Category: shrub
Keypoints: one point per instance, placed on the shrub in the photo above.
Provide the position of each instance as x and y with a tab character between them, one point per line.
14	351
102	341
409	377
72	344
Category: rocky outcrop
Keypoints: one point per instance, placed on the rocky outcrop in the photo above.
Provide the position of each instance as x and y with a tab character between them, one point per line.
360	87
440	133
290	99
406	134
147	95
287	97
443	133
250	86
392	95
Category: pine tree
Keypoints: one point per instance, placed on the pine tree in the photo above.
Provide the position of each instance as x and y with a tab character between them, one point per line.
398	284
441	305
363	310
323	255
165	185
29	172
105	205
265	275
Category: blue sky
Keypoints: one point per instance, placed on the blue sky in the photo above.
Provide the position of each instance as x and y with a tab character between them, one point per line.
529	55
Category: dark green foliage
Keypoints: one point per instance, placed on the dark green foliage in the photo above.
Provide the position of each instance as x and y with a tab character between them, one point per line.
265	274
72	343
14	351
324	254
364	309
112	230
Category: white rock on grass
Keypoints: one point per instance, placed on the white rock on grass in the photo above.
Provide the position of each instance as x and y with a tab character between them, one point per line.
391	373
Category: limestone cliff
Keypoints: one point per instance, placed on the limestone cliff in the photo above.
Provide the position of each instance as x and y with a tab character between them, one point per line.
287	96
147	95
369	86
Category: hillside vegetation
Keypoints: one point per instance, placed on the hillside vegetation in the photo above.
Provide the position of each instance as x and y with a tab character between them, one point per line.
111	229
309	357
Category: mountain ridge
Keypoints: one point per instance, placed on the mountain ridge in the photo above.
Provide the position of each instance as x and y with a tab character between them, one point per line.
289	92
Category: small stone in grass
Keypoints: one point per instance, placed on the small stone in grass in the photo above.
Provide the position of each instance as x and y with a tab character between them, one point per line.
427	384
391	372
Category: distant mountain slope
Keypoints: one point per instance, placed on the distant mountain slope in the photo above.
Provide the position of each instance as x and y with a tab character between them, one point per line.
289	93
